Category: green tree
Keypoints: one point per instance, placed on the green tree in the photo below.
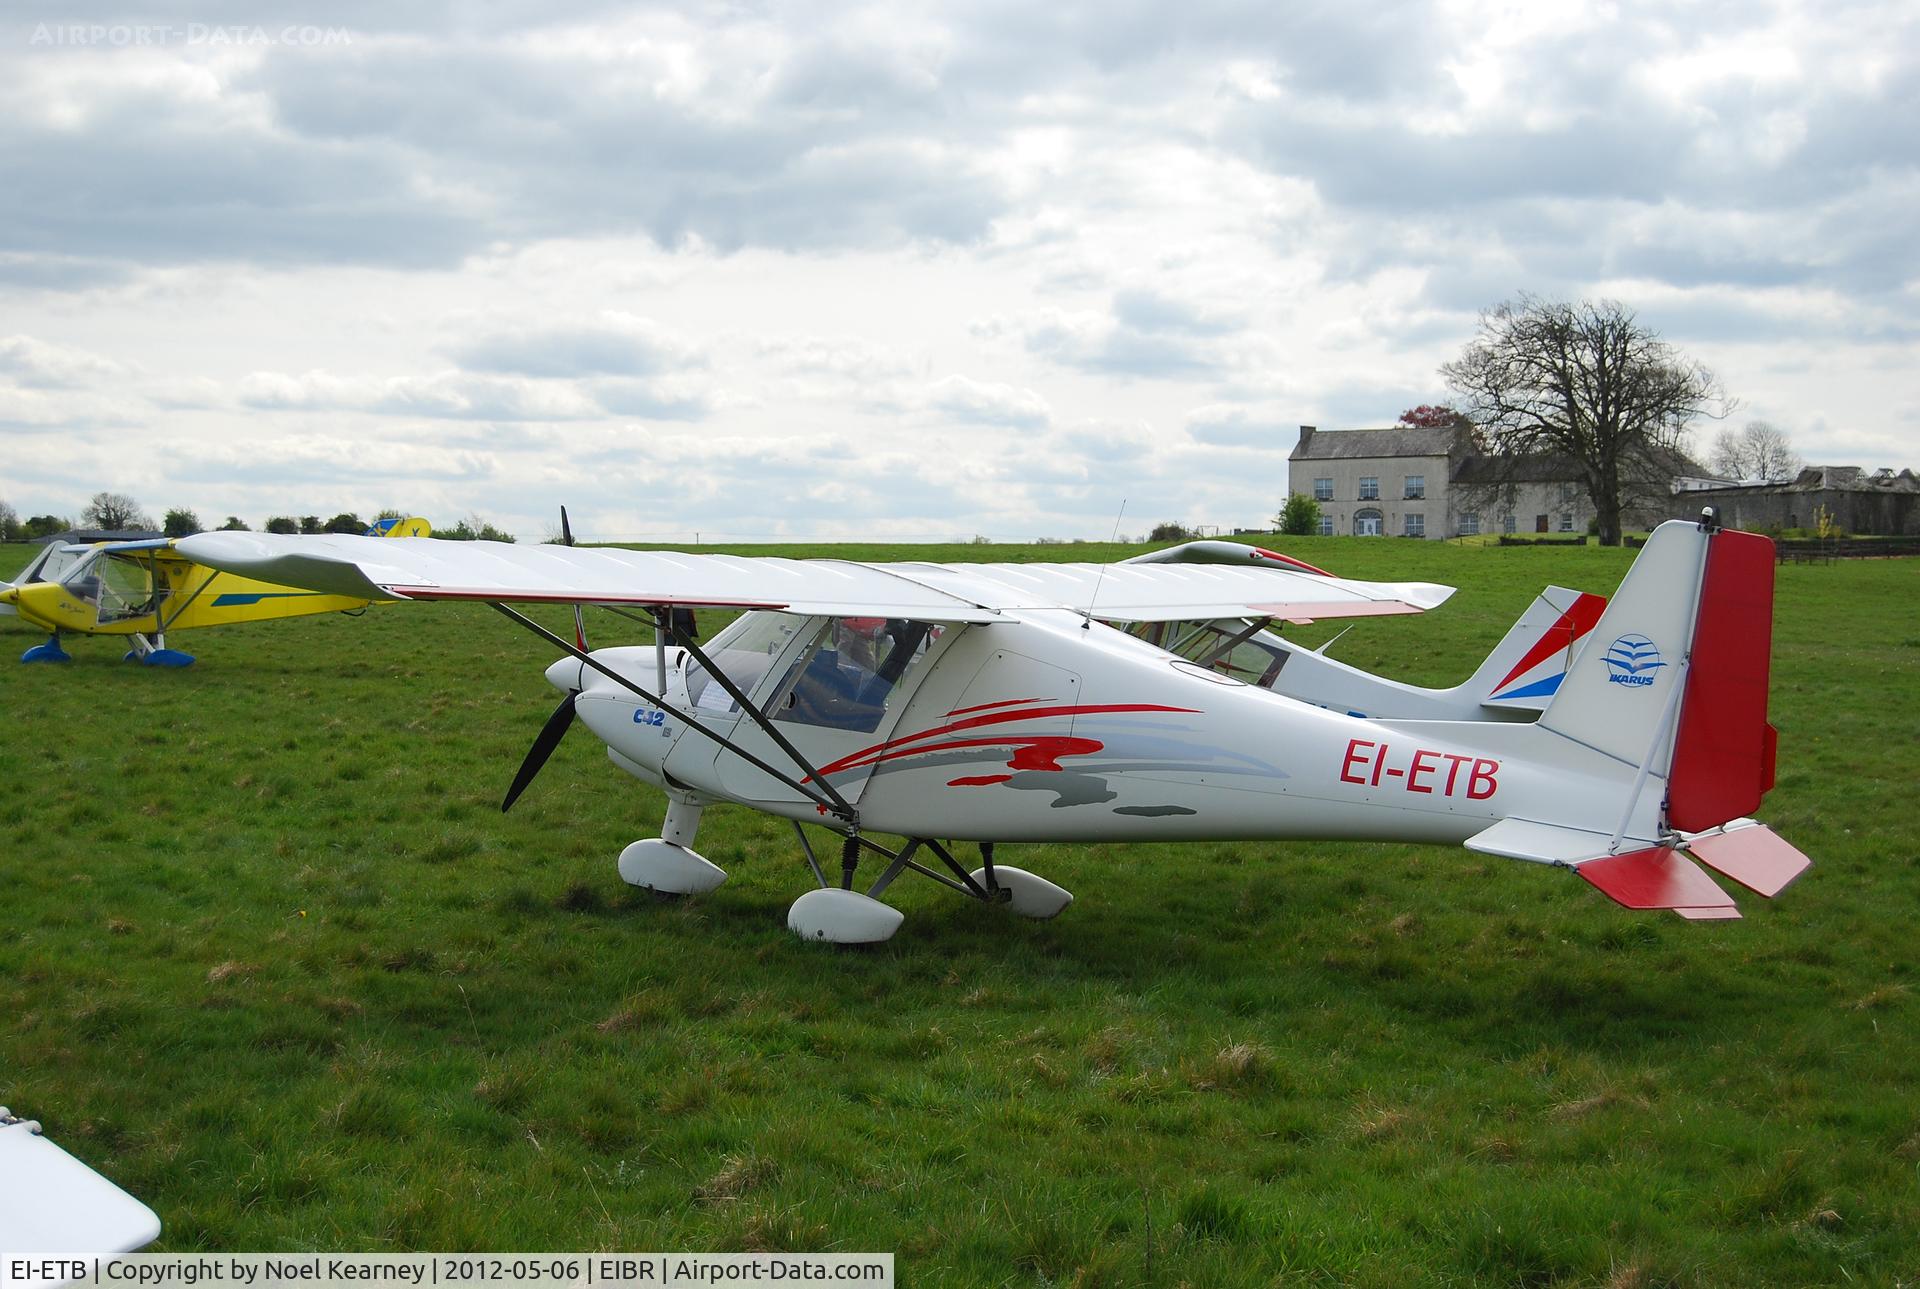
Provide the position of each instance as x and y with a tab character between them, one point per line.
235	524
180	523
472	529
45	526
346	523
1169	532
283	524
310	524
1300	517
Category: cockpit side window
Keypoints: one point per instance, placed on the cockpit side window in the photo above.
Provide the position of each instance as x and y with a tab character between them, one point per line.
1211	644
847	677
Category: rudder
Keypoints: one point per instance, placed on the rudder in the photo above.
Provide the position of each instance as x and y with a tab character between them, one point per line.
1723	755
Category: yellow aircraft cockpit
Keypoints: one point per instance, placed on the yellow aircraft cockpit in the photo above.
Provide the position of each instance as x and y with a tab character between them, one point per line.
115	589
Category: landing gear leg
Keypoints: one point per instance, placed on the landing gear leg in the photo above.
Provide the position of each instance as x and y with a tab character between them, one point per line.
1025	893
666	864
154	652
48	652
840	914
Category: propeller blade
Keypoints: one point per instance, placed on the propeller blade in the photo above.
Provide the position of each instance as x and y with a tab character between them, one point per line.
543	745
579	621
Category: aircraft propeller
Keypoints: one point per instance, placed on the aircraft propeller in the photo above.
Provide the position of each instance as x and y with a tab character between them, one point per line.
579	622
543	744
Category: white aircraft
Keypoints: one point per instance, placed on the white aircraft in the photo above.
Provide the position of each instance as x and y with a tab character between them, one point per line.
993	703
56	1208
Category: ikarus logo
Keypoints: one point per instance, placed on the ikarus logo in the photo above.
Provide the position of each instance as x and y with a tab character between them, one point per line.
1633	660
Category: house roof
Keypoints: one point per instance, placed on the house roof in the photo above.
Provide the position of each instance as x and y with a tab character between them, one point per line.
1831	478
1482	469
1348	445
87	536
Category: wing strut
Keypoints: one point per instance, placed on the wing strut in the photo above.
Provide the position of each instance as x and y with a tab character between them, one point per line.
832	802
186	602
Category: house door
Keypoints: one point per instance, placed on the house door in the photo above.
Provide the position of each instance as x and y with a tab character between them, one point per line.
1539	523
1366	523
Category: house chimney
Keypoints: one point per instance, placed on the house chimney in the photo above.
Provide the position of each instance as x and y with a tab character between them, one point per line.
1306	432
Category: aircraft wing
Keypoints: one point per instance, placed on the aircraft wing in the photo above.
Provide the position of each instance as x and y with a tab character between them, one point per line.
370	568
1180	591
376	569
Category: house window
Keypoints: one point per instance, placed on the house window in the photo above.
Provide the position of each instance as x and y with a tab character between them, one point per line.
1470	525
1326	525
1323	490
1507	523
1369	487
1569	491
1416	487
1566	521
1416	525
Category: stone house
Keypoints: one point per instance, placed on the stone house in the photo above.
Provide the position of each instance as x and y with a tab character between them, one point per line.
1377	483
1878	503
1432	483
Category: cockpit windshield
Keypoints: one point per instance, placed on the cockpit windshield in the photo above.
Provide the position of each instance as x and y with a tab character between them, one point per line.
744	650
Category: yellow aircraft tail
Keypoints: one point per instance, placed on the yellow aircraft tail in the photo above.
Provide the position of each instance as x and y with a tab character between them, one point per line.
411	526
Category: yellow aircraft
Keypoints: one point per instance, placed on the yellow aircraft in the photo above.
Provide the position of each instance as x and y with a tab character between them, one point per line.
144	589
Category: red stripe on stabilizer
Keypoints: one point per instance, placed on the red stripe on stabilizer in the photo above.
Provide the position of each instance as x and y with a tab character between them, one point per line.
1659	877
1758	858
1567	628
1720	768
1262	553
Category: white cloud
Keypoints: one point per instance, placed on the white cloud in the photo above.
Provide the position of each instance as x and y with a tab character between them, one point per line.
953	269
40	365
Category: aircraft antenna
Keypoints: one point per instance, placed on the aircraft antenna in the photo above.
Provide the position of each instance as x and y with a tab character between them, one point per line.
1087	623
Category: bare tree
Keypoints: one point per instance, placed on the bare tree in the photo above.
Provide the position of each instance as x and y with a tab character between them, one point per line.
114	510
1761	452
1588	384
9	523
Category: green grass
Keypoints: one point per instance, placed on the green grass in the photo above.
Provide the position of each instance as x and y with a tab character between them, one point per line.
271	958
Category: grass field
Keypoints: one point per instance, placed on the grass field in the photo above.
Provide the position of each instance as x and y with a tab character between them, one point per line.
271	958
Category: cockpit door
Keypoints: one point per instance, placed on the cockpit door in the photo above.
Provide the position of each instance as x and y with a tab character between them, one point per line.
837	701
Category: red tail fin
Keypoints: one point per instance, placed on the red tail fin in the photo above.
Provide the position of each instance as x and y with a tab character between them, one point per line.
1723	755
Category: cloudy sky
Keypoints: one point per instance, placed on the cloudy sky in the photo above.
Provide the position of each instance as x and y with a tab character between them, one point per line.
754	270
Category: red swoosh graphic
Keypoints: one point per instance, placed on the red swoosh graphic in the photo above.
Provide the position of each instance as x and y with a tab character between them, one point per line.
893	748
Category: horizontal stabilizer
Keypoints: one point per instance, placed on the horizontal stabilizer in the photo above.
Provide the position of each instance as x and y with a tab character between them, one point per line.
1659	877
1753	855
1538	842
